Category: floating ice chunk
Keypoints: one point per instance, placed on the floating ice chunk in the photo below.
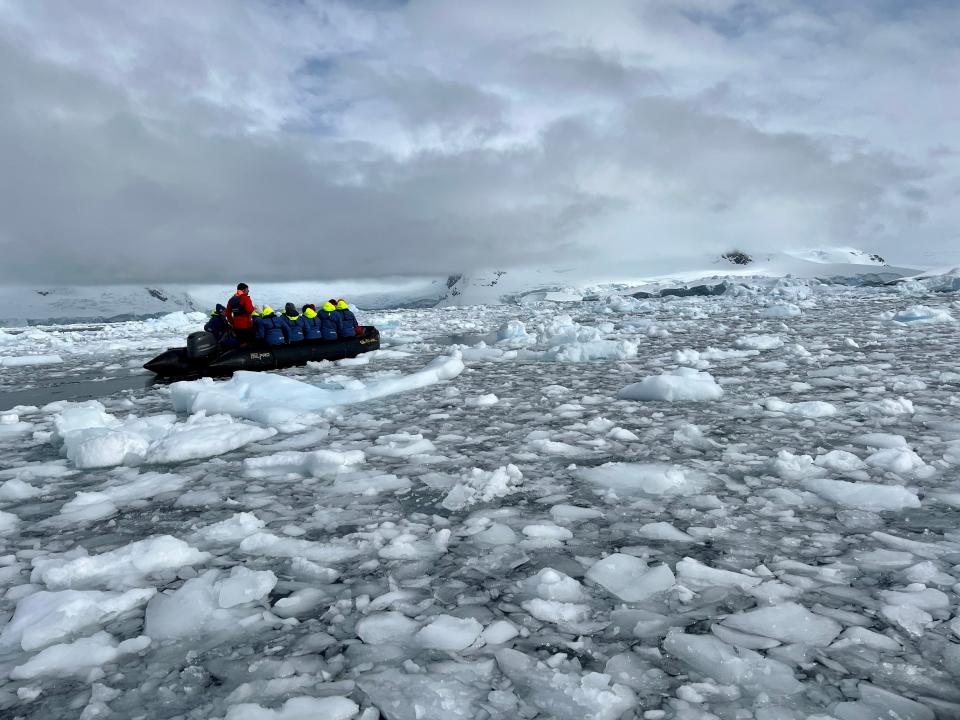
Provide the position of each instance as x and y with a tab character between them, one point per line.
299	602
48	617
275	399
782	310
317	463
884	559
27	360
631	670
202	437
421	696
863	495
79	657
557	612
552	447
788	622
9	523
482	400
245	585
758	342
499	632
681	385
881	440
646	478
622	435
919	314
888	406
921	597
840	461
695	575
900	461
688	435
664	531
124	567
795	467
511	330
194	609
482	486
629	577
928	573
565	696
809	409
496	534
908	617
879	704
573	513
854	636
715	659
401	445
743	639
16	489
298	708
386	627
129	487
232	530
547	532
107	448
263	543
445	632
551	584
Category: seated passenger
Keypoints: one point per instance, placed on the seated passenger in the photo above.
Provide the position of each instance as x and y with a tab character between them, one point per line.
268	328
329	321
293	324
218	324
348	321
311	323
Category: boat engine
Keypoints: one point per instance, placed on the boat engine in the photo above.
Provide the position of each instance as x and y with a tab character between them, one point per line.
201	345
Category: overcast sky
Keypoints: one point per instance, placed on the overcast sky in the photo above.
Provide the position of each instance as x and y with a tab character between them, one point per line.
183	141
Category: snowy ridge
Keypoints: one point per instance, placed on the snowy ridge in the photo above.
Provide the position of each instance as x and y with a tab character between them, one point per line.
675	508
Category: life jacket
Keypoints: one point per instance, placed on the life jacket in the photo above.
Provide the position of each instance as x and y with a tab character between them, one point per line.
329	321
311	325
348	321
269	328
293	328
240	311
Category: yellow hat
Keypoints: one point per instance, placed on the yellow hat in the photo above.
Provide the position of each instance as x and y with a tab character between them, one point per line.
329	306
342	305
267	311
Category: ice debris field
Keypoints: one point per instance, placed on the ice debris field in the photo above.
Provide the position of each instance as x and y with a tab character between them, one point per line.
731	507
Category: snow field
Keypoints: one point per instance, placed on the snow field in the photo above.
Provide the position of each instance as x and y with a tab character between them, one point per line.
251	549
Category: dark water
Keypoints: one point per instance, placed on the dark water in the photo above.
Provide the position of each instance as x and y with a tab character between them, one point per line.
74	388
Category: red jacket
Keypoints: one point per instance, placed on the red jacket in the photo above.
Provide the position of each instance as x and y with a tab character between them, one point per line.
240	311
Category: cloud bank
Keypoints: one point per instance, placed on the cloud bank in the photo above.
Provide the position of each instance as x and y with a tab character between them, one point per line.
283	140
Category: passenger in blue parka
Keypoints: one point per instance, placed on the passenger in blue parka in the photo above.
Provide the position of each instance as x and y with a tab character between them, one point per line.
348	321
269	328
311	323
329	321
293	324
218	323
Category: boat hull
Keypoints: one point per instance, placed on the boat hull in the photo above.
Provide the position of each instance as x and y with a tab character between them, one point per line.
175	362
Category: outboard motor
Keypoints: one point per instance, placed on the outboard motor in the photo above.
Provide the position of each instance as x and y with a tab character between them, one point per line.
201	345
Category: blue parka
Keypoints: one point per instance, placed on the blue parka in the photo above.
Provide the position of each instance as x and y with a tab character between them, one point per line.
311	325
329	321
269	328
293	327
217	324
348	321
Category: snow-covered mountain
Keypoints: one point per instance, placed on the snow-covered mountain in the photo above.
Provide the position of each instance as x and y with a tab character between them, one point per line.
20	305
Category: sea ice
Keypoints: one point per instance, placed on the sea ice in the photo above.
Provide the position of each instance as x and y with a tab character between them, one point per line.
629	577
681	385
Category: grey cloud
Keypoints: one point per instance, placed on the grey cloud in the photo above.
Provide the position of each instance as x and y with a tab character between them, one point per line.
353	146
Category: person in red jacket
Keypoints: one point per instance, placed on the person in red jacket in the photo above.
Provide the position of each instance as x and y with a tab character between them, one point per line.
240	313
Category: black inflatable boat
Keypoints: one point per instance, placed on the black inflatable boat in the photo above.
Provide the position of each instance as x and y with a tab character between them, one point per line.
203	356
